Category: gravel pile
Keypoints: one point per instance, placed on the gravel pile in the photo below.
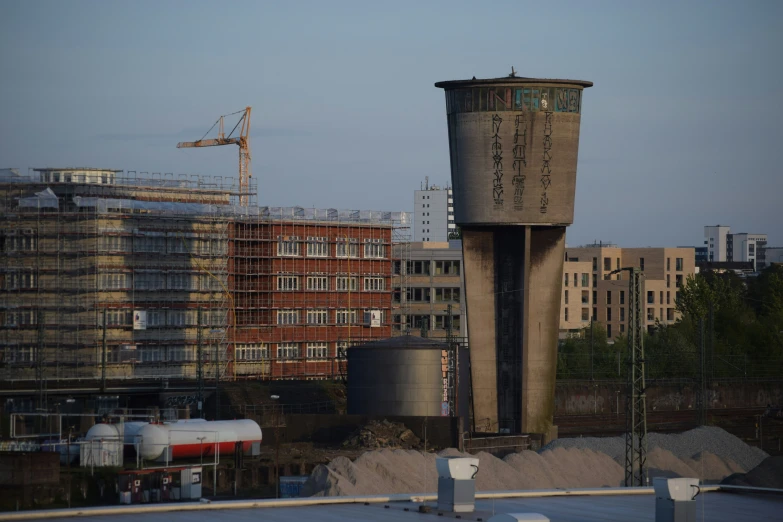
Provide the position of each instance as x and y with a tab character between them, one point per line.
685	445
768	474
709	454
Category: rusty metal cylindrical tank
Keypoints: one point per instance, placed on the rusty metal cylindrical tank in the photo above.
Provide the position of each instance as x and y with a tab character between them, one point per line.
398	376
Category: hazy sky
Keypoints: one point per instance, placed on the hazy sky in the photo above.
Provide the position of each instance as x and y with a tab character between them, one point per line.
682	127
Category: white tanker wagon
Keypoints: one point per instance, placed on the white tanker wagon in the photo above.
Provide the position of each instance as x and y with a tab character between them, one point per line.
186	438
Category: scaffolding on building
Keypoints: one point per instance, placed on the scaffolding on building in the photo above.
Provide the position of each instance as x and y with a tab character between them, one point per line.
131	276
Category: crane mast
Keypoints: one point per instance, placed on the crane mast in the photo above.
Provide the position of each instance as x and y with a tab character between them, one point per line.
242	140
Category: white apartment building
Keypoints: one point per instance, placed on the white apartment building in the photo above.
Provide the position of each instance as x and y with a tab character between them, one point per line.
716	239
747	247
433	209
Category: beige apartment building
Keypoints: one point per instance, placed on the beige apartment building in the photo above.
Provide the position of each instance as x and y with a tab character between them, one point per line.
591	291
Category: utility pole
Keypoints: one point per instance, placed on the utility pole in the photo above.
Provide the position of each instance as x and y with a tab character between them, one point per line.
636	398
103	355
591	350
200	365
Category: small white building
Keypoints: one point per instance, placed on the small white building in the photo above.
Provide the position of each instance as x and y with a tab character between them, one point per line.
80	175
433	209
747	247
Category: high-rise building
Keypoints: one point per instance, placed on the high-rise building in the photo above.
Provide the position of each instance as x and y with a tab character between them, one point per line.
433	210
715	239
513	146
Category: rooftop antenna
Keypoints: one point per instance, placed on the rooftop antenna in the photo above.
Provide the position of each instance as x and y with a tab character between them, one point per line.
426	182
513	73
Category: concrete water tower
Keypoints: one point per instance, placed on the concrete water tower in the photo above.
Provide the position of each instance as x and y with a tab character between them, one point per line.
513	144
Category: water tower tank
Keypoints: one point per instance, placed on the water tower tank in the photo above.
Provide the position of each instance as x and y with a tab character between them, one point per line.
398	376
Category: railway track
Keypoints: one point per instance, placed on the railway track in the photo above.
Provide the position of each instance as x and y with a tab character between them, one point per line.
745	423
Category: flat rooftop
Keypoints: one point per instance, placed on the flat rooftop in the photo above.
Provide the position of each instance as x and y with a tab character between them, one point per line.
712	506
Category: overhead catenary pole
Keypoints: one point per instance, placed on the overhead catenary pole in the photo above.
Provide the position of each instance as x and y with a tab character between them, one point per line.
636	398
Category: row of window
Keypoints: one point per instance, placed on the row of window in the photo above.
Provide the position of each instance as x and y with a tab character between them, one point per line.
261	351
342	283
428	295
163	245
154	280
679	264
437	322
324	317
290	246
428	267
679	280
18	243
162	318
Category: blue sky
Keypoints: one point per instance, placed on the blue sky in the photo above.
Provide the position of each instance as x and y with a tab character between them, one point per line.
682	128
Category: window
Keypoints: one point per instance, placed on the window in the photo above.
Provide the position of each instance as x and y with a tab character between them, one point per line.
156	318
116	317
670	314
449	294
622	314
641	264
678	280
668	297
650	297
622	329
114	281
660	298
288	245
374	284
595	296
668	263
595	313
288	351
419	321
149	244
317	283
287	317
287	282
566	279
252	352
317	247
676	297
317	317
149	280
622	297
182	317
114	243
566	314
374	249
317	351
668	281
585	297
397	267
346	316
347	283
608	264
608	297
585	314
182	281
566	299
651	314
419	267
347	247
608	314
618	265
679	264
595	281
442	322
595	264
446	267
20	318
21	243
585	280
608	331
419	295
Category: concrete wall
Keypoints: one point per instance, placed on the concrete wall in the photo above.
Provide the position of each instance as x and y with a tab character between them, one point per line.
584	398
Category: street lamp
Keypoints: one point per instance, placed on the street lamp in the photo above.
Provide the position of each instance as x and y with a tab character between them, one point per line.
277	448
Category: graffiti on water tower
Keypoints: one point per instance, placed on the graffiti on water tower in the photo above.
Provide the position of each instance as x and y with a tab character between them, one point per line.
546	171
520	160
497	158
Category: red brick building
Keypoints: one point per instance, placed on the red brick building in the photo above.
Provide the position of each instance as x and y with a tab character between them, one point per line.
304	286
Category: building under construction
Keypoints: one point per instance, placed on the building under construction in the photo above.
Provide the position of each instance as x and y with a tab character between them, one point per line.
109	275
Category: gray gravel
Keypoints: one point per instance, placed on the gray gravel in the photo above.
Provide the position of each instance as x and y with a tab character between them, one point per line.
684	445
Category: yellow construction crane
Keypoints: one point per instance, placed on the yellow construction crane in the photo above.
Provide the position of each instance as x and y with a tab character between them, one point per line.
243	140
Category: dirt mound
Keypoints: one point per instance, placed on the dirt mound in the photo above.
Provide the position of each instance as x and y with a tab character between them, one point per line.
383	434
768	474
